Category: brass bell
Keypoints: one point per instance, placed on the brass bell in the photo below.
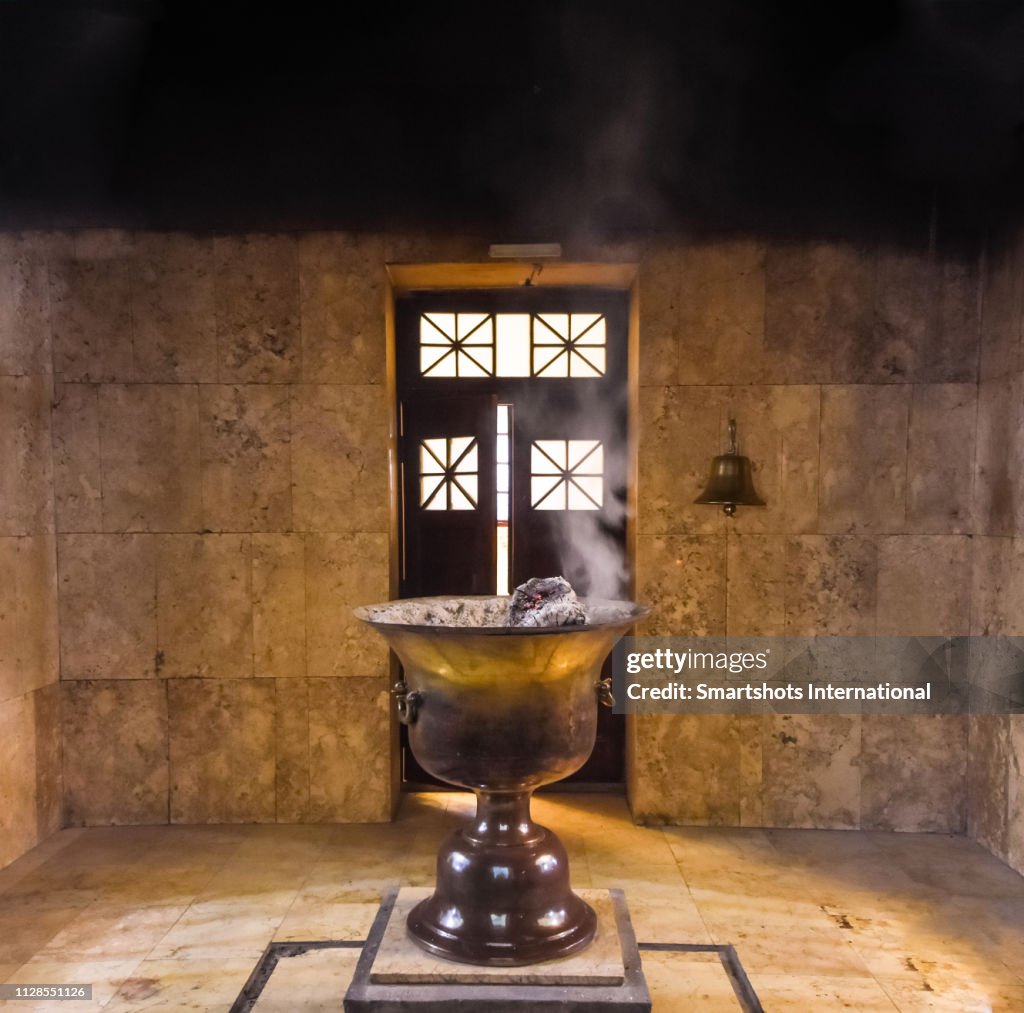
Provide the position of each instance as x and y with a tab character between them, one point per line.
731	483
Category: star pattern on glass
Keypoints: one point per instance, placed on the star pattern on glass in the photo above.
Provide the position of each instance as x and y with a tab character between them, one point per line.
457	344
568	344
449	473
567	475
565	345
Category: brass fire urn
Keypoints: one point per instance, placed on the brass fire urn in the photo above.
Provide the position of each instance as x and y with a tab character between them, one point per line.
501	711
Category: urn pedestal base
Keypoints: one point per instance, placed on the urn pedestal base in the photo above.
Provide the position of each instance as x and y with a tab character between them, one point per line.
394	975
503	896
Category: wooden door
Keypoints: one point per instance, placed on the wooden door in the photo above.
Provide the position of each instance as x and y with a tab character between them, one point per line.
553	364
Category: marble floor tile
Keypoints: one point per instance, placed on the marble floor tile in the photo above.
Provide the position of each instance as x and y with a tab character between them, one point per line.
953	998
105	976
38	856
821	920
790	994
312	982
798	941
200	985
673	918
221	928
355	882
106	931
164	884
682	981
25	928
319	914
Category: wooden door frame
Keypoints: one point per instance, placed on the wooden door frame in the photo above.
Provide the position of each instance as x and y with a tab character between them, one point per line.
419	277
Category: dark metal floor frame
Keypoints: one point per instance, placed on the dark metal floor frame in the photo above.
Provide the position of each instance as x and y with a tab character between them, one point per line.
275	952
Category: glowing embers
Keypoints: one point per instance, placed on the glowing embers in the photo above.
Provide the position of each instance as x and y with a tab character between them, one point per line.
457	344
566	475
513	344
449	476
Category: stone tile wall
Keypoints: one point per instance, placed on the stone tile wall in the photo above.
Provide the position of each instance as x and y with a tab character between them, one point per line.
220	448
996	741
220	467
852	374
30	786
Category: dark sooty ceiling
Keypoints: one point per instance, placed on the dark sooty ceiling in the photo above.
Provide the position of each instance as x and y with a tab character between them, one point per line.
530	119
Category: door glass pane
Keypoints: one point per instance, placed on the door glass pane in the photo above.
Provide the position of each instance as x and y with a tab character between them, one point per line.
552	345
513	344
503	478
449	473
567	475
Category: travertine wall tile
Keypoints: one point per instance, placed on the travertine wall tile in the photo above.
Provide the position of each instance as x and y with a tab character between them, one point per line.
29	665
660	274
18	824
722	313
926	326
687	769
91	309
997	592
953	355
28	615
173	309
222	765
913	771
246	457
905	319
77	472
831	586
997	485
291	735
257	297
204	606
683	581
940	458
1002	310
812	770
991	577
343	571
10	607
922	590
987	781
279	605
149	437
36	580
48	760
1015	794
818	306
756	587
115	752
864	458
108	606
339	458
778	429
751	731
26	481
680	430
24	309
350	774
342	281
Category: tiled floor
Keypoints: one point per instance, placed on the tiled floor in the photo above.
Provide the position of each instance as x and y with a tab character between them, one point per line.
175	918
